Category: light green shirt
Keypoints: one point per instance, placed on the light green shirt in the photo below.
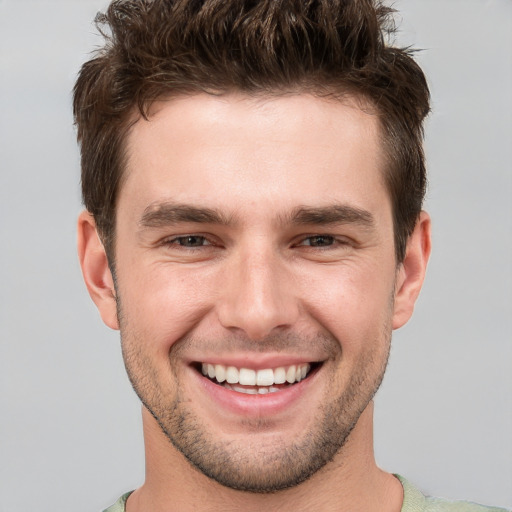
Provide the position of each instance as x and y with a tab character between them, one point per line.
414	501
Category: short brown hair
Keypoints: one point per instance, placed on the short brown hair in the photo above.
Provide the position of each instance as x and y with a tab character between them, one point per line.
162	48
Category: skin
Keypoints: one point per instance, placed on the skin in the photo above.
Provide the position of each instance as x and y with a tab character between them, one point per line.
297	265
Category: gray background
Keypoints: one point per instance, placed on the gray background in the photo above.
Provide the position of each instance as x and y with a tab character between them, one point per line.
70	433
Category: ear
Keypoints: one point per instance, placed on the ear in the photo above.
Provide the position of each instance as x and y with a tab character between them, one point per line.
411	272
95	269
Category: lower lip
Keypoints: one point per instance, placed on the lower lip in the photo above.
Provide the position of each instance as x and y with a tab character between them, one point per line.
255	405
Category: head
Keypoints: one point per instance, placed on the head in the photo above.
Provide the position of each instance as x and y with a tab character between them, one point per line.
255	174
268	48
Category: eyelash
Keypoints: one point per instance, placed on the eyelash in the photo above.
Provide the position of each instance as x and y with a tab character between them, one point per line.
176	242
333	241
330	238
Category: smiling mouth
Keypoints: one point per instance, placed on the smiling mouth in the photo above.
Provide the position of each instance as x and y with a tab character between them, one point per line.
256	382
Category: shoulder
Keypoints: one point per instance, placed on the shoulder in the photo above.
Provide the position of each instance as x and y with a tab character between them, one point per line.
119	505
415	501
440	505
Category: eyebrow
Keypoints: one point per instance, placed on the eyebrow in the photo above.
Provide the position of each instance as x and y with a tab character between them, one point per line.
331	214
168	213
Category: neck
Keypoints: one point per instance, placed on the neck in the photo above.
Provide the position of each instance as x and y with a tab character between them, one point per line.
351	481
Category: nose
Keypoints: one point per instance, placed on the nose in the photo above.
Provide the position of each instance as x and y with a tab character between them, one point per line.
258	295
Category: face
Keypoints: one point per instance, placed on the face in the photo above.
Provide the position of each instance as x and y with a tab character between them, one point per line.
255	280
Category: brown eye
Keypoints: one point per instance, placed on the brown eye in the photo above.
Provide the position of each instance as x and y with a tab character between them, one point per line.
319	241
191	241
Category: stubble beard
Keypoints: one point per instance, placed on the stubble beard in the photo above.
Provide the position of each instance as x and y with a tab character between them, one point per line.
253	465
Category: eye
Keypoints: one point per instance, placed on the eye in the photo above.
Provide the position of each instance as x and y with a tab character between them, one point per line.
318	241
189	241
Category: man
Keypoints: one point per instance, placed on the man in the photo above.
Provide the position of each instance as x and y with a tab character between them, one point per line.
253	176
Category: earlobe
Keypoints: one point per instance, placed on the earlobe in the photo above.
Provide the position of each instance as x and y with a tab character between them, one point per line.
412	270
95	269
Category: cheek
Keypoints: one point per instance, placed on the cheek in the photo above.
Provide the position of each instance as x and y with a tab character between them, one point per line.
162	305
354	304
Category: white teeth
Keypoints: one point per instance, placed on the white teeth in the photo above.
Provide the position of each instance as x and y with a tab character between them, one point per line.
265	378
291	374
247	377
247	391
220	373
231	375
279	375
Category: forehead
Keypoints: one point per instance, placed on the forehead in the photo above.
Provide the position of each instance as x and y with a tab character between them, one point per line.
293	149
